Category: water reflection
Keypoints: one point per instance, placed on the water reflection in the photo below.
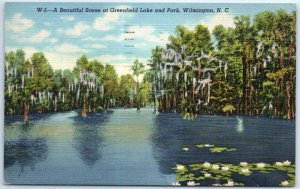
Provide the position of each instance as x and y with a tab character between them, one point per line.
256	140
88	137
25	152
168	142
130	148
239	125
33	117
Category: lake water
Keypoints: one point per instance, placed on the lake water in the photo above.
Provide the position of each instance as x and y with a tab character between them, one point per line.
126	147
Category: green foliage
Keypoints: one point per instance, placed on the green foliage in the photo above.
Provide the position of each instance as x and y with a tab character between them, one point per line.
258	78
125	90
228	108
224	172
138	68
260	56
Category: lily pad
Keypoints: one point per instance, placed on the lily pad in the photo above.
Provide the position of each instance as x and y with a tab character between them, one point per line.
215	149
218	149
197	172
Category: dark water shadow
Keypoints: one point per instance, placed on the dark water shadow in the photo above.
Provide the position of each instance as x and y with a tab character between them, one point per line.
168	143
25	152
260	140
88	136
33	117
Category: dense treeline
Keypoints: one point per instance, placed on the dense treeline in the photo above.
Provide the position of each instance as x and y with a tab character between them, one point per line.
249	69
33	86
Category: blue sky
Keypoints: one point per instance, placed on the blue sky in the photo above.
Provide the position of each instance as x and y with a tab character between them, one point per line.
63	37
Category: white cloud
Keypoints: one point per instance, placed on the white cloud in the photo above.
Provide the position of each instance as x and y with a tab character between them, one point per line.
146	33
190	25
89	38
163	38
68	48
28	50
47	23
37	38
121	63
119	59
53	40
40	36
113	38
111	58
18	23
59	60
224	19
77	30
122	69
67	18
105	22
63	56
97	46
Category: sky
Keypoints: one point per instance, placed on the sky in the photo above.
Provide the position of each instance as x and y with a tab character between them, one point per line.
63	36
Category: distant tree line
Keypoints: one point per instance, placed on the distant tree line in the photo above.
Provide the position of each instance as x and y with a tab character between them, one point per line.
33	86
249	69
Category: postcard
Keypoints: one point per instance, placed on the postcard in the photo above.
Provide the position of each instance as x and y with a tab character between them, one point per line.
150	94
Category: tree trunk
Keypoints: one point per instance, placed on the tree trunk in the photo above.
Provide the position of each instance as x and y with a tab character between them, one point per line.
290	54
250	101
249	95
154	103
160	104
165	103
137	94
289	101
244	99
174	102
26	112
281	58
83	113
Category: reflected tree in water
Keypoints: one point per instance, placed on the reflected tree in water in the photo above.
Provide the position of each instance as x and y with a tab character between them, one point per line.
168	142
88	137
25	152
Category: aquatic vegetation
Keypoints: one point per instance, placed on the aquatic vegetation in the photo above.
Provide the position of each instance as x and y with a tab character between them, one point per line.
191	183
223	173
229	183
215	149
179	167
215	167
285	183
245	171
206	164
260	165
200	145
221	149
286	163
204	145
189	116
225	168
